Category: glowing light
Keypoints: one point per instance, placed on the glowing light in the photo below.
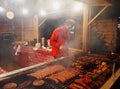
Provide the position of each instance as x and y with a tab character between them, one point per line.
56	5
1	9
25	11
78	6
20	0
10	15
42	12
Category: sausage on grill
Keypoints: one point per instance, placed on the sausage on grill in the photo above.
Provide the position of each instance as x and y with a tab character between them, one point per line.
10	86
75	86
24	84
79	81
63	76
38	82
46	71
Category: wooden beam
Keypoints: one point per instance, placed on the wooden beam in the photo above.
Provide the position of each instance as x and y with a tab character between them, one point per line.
73	49
101	4
22	31
36	28
42	22
97	15
85	28
108	84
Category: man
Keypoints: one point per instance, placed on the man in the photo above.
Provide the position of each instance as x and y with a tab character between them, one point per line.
60	39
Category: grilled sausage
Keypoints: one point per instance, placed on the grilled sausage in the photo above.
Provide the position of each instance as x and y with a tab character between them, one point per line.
24	84
46	71
38	82
10	86
75	86
79	81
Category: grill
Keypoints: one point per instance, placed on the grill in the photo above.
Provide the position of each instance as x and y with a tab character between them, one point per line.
23	81
20	76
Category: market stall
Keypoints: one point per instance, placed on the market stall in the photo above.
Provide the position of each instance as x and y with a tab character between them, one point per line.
80	70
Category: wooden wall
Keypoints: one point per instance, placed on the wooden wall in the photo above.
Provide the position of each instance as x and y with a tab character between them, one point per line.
106	30
11	28
78	35
23	28
28	31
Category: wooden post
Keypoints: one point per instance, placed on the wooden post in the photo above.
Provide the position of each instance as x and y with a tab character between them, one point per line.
22	34
36	28
85	28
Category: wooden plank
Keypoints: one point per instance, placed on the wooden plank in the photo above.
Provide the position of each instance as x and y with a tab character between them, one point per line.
36	30
73	49
97	15
22	31
85	28
96	2
111	80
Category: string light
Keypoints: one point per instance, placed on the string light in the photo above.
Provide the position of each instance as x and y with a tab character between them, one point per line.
78	6
43	12
56	5
25	11
1	9
10	15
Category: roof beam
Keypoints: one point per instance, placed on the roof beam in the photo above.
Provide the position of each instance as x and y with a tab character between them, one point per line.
97	4
105	7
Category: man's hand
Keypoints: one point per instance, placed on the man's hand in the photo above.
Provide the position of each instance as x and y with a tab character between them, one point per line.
61	47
